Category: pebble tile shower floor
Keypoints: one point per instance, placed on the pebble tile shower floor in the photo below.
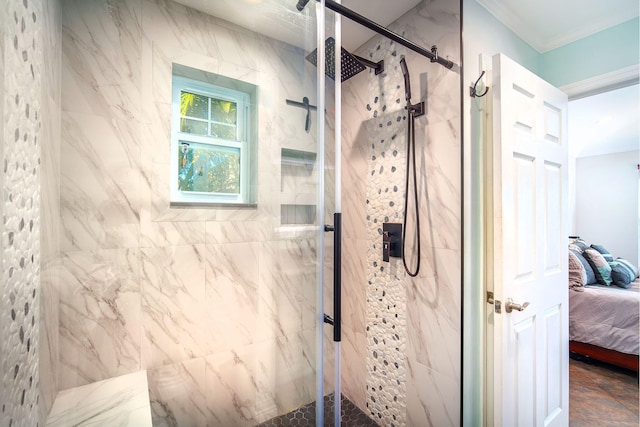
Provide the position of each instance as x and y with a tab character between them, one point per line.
305	416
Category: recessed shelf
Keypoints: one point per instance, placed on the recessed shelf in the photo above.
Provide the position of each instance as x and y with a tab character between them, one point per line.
297	214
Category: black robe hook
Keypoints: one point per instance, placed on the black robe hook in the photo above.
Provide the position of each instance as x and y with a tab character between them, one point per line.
473	89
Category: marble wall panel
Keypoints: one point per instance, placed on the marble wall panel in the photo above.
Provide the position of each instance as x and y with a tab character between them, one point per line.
100	316
101	58
232	296
285	268
290	369
236	392
173	304
100	183
354	343
433	399
177	394
433	315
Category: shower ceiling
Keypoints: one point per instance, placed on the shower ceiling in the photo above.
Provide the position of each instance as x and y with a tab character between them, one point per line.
280	20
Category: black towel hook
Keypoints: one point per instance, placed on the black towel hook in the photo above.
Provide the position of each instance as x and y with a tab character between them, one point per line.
473	90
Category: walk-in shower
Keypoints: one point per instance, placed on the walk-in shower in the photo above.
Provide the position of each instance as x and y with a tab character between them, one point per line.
225	310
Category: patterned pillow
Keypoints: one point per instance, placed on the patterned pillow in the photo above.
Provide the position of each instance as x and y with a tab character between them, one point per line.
581	244
621	275
628	264
577	273
600	266
605	253
591	276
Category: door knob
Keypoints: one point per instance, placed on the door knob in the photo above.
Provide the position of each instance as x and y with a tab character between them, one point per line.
510	306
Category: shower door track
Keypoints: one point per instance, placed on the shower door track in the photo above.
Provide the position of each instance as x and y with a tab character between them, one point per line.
374	26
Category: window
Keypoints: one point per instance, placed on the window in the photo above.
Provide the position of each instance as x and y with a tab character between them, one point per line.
211	157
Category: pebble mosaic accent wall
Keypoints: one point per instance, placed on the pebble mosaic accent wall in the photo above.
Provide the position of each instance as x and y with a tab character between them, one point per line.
386	296
19	302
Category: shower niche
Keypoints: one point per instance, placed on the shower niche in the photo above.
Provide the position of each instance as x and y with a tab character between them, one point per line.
298	186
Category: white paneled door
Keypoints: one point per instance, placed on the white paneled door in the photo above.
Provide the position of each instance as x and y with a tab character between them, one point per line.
527	324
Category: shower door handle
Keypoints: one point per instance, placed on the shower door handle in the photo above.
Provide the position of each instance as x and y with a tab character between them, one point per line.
337	276
335	321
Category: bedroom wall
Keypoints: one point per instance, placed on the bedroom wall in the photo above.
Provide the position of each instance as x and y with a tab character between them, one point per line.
607	202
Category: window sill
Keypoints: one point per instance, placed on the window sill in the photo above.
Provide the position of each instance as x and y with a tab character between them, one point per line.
212	205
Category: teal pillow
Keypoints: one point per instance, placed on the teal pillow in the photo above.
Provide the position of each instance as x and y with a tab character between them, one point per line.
629	265
600	266
621	275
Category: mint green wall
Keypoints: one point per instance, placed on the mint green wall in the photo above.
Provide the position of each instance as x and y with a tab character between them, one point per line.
609	50
483	33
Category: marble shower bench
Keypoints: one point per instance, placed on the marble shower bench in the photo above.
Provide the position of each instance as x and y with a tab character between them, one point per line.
115	402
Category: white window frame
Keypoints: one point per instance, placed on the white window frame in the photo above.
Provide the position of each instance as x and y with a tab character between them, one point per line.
242	101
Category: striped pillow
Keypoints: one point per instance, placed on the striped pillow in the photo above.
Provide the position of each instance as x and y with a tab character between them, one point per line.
628	264
600	266
591	276
621	274
605	253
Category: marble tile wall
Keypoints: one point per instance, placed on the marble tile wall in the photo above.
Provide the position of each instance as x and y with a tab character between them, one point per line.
50	203
217	304
402	347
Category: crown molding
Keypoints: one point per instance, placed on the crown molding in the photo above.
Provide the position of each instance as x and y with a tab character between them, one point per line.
605	82
523	28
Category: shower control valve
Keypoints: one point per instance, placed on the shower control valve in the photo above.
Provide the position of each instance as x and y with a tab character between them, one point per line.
391	240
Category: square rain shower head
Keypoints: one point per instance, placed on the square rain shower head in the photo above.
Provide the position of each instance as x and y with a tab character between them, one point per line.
350	64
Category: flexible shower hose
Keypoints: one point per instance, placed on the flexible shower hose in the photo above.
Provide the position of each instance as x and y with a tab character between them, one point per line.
411	160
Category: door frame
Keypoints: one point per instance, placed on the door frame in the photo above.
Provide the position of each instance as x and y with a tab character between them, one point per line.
474	351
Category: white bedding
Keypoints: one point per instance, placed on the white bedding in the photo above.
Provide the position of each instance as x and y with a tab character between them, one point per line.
606	316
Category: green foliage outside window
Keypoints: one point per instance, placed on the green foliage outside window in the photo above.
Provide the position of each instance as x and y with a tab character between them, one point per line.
208	169
203	115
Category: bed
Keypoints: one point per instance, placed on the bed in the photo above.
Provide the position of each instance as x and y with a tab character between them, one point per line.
604	305
604	323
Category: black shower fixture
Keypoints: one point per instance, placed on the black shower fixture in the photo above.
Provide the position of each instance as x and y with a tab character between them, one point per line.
301	5
374	26
306	106
349	63
414	110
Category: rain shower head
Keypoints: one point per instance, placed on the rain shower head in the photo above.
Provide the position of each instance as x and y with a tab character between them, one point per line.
350	64
301	5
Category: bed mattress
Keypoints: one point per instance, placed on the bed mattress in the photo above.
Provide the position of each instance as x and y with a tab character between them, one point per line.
606	316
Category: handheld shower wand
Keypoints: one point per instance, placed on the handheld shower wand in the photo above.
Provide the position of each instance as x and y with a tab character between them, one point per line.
407	82
414	111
